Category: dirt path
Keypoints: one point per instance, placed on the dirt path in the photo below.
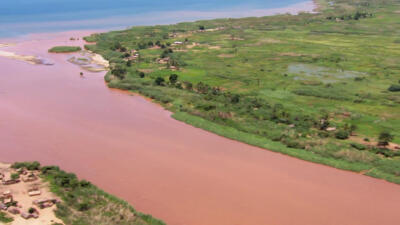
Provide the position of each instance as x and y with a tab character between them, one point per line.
183	175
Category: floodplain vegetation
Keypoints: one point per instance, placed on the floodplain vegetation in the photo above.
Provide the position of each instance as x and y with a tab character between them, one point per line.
323	87
82	203
65	49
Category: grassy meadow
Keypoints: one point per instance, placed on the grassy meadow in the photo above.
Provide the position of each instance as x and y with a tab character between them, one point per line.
65	49
323	87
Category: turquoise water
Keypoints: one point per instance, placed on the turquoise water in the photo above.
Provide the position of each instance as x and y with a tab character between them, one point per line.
19	17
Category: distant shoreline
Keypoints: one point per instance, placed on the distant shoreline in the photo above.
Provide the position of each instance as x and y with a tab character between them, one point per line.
148	19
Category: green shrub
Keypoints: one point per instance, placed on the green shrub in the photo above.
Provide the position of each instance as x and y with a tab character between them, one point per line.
4	218
49	169
384	138
294	144
84	206
173	78
342	134
159	81
14	176
358	146
394	88
27	165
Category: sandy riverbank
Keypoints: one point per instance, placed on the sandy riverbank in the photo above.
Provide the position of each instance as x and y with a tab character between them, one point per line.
92	62
12	55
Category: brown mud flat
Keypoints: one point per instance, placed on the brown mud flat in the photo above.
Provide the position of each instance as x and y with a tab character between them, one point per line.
133	149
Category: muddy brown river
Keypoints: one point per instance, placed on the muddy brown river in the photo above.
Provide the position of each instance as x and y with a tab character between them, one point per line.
133	149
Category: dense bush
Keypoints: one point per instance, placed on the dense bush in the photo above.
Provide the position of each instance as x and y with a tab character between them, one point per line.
173	78
159	81
27	165
342	134
394	88
358	146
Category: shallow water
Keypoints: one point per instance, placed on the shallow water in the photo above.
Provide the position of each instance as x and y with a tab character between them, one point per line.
132	148
323	74
19	17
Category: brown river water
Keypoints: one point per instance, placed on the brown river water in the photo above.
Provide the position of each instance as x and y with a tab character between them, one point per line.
133	149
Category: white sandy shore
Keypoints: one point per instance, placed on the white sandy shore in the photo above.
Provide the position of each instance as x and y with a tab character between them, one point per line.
11	55
26	58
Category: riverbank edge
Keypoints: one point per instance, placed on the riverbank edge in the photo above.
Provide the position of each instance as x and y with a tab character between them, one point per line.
233	134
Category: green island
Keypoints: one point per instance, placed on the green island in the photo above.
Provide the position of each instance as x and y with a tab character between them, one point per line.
65	49
322	87
78	201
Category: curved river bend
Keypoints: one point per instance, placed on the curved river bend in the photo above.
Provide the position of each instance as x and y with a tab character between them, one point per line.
132	148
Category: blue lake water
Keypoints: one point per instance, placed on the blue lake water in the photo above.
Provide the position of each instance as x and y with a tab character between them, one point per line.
19	17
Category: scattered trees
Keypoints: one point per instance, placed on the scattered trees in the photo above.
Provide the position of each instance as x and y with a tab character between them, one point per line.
166	53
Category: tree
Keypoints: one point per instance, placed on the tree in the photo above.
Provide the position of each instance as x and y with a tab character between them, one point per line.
201	27
235	99
119	72
31	210
129	63
173	78
384	138
159	81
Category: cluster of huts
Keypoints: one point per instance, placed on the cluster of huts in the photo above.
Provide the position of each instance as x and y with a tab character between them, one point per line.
8	202
134	55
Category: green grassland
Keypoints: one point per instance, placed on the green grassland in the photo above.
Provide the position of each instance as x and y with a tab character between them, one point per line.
85	204
65	49
277	82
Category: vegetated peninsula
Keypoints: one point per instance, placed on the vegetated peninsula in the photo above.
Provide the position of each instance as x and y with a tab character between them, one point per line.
65	49
322	87
49	195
